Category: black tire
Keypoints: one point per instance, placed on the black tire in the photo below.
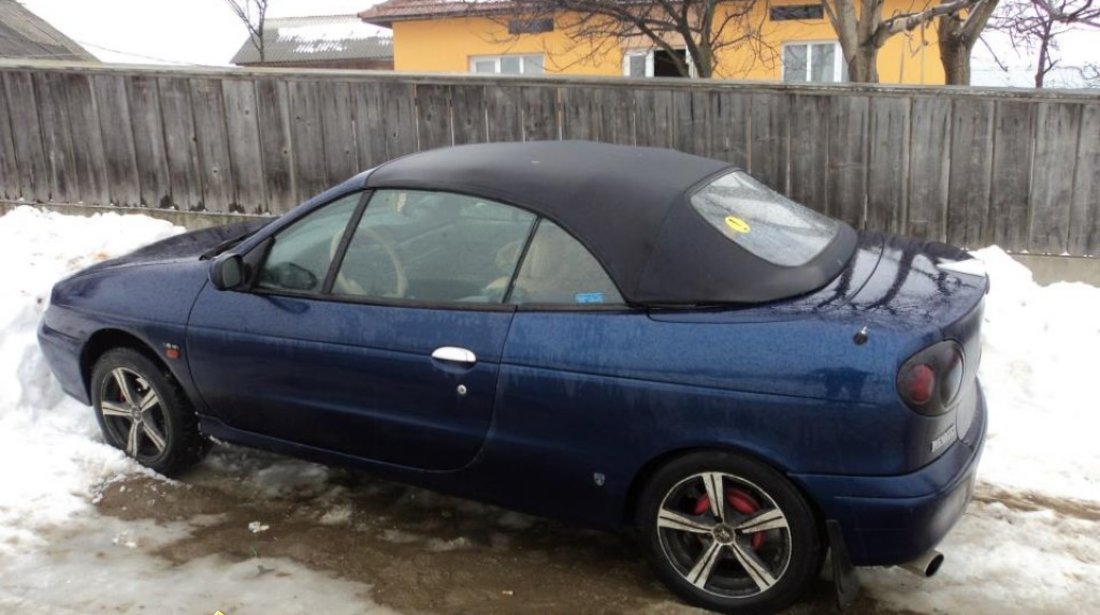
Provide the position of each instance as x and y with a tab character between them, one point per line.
165	435
713	563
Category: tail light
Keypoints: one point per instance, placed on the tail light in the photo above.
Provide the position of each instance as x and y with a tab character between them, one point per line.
930	380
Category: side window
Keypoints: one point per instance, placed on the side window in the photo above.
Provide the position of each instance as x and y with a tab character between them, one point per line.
558	269
435	247
300	257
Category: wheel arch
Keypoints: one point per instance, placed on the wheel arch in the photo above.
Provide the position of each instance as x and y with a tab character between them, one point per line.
643	475
107	339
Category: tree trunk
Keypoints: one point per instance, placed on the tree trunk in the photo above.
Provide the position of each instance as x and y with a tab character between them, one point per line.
955	57
863	66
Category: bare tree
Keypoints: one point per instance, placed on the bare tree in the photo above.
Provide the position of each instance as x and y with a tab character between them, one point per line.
701	28
862	29
958	33
252	14
1033	26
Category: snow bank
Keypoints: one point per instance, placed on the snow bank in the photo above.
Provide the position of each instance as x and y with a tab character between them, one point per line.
56	553
1040	344
48	442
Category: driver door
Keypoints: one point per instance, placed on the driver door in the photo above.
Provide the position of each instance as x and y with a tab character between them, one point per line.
374	329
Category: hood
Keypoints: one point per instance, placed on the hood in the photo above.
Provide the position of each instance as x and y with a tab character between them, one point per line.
193	244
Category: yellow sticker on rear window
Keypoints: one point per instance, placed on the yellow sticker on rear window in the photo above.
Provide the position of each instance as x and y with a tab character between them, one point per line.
737	225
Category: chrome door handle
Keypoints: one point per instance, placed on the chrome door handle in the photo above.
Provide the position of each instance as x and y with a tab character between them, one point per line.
453	354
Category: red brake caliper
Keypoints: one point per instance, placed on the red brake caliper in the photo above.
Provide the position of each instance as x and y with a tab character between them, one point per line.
742	503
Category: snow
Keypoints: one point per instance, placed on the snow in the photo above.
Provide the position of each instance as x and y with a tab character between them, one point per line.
1025	543
56	553
1037	371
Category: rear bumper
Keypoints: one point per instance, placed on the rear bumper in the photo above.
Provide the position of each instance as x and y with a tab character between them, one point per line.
889	520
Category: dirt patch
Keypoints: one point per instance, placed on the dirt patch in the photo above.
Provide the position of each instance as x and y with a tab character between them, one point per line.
1033	502
420	552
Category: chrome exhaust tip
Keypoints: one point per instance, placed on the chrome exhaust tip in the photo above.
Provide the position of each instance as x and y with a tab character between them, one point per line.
927	565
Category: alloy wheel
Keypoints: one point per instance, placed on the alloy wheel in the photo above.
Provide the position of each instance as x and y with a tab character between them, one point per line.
133	414
724	535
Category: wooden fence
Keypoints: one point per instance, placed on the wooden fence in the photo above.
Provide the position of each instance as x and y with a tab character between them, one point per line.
1018	168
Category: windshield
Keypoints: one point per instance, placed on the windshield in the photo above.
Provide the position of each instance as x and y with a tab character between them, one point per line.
763	221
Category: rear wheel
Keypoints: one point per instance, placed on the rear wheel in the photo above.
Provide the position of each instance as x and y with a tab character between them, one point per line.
728	533
142	410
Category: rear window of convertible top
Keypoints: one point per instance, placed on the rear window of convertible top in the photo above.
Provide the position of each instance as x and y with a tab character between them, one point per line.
763	221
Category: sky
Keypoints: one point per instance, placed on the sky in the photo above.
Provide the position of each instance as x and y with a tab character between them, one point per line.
202	32
205	32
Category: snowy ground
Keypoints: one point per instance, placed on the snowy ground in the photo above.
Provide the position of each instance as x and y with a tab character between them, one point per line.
82	529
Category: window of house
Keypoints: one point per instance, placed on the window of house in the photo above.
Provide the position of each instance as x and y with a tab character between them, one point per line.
797	12
654	63
557	269
507	65
530	26
813	62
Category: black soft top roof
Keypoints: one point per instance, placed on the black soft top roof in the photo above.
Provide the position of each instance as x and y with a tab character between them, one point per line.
630	206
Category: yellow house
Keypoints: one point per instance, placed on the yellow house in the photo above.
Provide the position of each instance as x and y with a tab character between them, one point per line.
796	43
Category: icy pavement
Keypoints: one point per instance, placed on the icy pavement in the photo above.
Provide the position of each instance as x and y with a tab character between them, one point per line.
256	533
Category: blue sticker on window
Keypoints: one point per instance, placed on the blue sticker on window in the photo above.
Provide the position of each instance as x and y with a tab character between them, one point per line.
588	297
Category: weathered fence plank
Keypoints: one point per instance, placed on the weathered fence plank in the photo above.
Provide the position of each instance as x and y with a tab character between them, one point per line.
579	114
9	166
245	157
888	164
615	115
730	127
433	116
1013	141
276	149
31	157
653	118
930	139
219	193
398	106
118	139
53	114
847	172
308	137
468	114
89	170
370	127
1084	228
504	113
1058	126
970	166
181	144
540	114
341	152
150	156
691	124
809	148
768	151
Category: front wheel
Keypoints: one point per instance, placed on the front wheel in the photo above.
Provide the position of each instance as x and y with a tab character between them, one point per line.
729	534
142	410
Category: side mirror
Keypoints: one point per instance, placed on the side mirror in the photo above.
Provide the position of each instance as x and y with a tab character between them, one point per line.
227	272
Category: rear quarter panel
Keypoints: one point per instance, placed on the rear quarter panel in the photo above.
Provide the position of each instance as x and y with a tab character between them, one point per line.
599	394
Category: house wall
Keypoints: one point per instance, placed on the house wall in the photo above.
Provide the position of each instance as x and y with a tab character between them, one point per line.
446	45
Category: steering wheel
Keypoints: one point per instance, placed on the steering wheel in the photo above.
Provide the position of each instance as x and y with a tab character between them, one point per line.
350	286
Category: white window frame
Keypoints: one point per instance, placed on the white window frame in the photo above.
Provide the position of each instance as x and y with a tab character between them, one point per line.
648	53
839	72
497	60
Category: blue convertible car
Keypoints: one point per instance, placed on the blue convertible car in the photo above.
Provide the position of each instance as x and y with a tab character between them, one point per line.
616	336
